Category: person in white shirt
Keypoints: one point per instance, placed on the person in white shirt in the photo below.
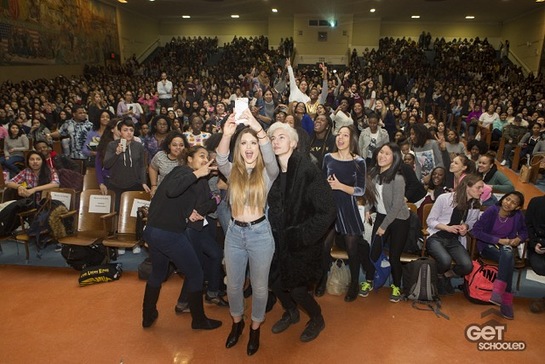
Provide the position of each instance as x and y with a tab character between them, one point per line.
486	120
297	93
164	90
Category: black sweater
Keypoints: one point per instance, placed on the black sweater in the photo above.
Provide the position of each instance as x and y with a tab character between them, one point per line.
535	221
176	197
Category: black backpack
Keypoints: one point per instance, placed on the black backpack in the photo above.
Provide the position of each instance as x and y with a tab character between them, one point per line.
415	239
81	257
420	285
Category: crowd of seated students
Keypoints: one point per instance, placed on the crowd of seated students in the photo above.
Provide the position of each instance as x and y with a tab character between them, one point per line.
430	107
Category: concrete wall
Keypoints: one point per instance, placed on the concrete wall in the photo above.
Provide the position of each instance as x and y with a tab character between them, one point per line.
365	33
525	35
137	33
279	28
333	48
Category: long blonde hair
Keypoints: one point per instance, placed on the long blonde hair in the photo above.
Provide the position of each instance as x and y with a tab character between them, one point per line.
246	189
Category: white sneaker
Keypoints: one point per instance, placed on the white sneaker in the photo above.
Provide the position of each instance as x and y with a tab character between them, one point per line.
503	162
136	250
120	251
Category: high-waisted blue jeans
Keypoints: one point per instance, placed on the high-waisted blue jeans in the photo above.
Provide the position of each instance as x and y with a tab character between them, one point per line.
253	244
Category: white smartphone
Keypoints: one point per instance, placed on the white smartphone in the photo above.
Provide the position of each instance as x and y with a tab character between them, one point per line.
123	144
241	104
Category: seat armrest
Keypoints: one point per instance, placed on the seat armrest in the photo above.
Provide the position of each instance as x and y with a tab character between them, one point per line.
108	222
27	213
109	216
68	214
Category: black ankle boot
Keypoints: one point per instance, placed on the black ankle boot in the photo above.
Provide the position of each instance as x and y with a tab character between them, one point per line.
149	309
236	331
313	329
352	293
199	319
289	318
253	343
320	287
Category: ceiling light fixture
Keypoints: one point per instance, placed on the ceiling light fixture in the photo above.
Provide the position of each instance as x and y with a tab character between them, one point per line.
415	16
372	10
470	17
275	10
234	16
122	1
540	1
186	16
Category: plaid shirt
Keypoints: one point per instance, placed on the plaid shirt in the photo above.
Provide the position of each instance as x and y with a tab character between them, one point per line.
26	175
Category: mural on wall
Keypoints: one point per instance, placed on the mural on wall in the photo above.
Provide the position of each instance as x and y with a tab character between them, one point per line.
56	32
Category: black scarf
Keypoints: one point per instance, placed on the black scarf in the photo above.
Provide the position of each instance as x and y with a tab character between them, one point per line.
488	176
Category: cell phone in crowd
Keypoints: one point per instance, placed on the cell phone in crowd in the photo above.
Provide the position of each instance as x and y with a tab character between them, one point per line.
123	144
241	104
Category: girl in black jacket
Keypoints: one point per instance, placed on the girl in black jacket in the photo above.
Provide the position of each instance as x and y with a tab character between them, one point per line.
170	212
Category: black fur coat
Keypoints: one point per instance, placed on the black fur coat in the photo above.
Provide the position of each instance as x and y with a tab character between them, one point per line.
300	217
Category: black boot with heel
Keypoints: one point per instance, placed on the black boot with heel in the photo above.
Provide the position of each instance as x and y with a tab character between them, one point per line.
253	343
199	319
149	306
236	331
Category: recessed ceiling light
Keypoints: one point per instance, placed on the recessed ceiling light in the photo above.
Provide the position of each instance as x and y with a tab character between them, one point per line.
470	17
275	10
186	16
415	16
539	1
122	1
151	0
372	10
234	16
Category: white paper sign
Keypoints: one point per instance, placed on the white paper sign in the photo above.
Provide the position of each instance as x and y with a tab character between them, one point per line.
65	198
136	204
100	204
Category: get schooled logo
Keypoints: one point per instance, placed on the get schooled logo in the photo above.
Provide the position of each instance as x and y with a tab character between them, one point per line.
491	335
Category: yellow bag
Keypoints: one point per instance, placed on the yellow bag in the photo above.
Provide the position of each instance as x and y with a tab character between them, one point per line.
524	175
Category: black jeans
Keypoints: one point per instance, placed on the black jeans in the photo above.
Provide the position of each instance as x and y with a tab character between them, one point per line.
297	296
210	254
166	246
396	234
537	262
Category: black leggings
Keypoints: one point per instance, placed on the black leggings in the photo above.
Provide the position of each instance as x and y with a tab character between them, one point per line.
358	253
297	296
397	234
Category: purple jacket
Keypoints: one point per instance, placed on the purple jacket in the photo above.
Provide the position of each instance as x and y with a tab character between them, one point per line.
482	230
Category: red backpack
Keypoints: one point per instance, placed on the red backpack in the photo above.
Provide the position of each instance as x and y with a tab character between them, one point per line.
478	284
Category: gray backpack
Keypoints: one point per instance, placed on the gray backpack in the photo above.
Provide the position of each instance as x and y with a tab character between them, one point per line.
420	285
